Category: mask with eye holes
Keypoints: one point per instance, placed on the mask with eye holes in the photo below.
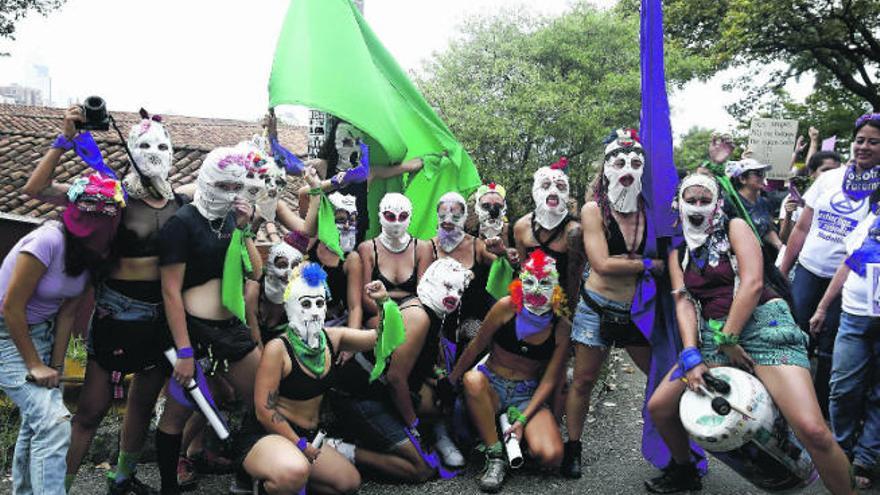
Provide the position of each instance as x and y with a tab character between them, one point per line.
539	280
220	166
151	149
451	214
348	141
550	193
277	278
305	302
443	284
624	182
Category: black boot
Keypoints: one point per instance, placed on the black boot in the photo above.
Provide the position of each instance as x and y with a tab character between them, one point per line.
676	478
571	460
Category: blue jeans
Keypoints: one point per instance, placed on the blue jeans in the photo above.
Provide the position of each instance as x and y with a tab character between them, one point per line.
516	393
38	465
855	388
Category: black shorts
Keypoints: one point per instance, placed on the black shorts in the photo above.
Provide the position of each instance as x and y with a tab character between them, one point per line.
252	431
220	340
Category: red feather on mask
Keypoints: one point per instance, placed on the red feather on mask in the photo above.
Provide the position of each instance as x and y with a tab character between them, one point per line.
561	164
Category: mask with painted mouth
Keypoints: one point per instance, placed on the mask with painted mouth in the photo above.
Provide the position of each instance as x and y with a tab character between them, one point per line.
220	180
489	213
539	281
305	302
347	229
151	149
395	214
451	216
550	192
282	259
697	220
443	284
624	165
348	141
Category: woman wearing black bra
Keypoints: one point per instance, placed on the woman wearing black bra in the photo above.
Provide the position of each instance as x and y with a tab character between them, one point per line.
614	240
296	368
529	345
129	331
394	258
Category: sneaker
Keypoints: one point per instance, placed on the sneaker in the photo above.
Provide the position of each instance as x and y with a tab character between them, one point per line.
345	449
493	474
187	479
130	486
450	454
571	460
676	478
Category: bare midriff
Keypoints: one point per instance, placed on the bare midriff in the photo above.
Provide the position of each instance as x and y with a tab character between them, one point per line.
137	269
515	367
618	288
204	301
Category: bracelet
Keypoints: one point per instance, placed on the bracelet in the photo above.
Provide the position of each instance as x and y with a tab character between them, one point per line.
58	367
648	263
690	358
719	336
334	182
315	191
247	233
185	353
302	444
514	415
61	142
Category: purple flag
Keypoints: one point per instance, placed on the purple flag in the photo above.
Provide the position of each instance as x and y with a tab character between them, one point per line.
87	149
285	157
828	144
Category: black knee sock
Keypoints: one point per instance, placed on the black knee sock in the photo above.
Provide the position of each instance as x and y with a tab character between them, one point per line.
167	452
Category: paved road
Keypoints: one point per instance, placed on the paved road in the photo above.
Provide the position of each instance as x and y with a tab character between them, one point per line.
612	438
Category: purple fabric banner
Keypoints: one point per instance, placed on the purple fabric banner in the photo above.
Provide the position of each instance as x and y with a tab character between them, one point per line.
653	309
829	144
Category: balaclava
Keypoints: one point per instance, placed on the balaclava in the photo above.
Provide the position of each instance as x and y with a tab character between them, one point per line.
150	146
93	211
442	285
448	213
221	165
539	281
697	221
277	277
395	213
624	183
305	302
347	231
550	193
492	217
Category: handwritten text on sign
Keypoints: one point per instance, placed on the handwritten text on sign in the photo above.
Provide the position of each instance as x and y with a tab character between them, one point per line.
772	141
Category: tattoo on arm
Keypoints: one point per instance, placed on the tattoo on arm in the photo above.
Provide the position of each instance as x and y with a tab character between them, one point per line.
272	404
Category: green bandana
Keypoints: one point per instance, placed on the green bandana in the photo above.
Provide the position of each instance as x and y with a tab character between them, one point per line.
327	231
312	359
500	276
391	336
236	263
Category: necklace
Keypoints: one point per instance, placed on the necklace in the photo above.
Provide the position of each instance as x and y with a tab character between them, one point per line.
218	231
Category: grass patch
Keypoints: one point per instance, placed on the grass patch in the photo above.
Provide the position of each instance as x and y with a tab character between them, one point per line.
9	423
77	350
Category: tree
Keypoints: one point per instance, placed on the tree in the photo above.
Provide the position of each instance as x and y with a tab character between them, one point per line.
520	91
12	11
836	40
692	149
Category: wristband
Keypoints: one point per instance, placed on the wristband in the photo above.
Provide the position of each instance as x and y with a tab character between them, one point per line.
690	358
185	353
415	424
334	182
247	233
719	336
61	142
316	191
514	415
648	263
302	444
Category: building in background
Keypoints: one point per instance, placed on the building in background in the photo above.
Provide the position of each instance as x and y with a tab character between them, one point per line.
22	95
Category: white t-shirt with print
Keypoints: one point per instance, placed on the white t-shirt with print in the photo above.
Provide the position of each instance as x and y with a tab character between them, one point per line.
855	289
835	216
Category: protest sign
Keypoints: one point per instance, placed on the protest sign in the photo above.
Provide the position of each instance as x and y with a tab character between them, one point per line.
772	142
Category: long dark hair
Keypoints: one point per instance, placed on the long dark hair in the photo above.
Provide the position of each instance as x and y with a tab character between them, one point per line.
328	148
875	123
79	259
600	196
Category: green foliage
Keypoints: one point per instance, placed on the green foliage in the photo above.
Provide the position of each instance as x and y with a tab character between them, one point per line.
77	350
9	425
691	150
520	91
835	40
12	11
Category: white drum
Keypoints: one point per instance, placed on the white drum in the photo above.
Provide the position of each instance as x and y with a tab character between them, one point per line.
758	445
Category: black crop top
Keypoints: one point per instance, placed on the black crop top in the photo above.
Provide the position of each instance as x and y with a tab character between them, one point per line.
188	237
617	244
337	282
138	234
409	285
506	339
300	386
561	258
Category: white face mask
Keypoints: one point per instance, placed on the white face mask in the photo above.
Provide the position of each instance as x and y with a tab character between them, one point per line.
443	284
696	220
395	213
550	193
347	232
274	180
491	220
306	307
625	198
451	211
277	277
153	154
538	285
221	166
348	140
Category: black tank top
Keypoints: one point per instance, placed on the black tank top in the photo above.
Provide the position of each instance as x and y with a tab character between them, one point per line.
561	258
300	386
616	242
409	285
506	339
337	282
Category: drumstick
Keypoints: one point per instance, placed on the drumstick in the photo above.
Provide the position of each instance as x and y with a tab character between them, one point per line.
64	379
710	394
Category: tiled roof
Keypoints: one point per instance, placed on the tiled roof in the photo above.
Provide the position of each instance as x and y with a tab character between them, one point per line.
26	133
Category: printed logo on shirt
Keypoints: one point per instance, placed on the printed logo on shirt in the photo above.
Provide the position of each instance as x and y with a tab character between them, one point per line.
841	203
834	227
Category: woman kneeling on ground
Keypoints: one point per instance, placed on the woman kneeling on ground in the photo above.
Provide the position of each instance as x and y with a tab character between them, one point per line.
721	268
296	368
529	338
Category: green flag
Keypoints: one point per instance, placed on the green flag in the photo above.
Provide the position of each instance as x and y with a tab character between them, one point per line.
327	231
328	58
500	276
391	335
236	262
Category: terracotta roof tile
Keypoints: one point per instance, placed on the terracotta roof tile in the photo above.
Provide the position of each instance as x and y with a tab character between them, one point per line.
27	132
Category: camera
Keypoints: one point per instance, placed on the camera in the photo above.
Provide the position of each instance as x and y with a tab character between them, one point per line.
95	112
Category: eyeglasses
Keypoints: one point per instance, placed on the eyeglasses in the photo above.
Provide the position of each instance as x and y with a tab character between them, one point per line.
389	216
757	173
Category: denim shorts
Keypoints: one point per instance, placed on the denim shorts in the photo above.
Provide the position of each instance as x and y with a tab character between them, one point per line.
517	393
127	334
771	337
585	326
373	423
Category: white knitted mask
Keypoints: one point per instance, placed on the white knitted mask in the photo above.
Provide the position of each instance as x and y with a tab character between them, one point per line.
451	212
550	193
697	220
443	284
222	165
347	232
150	146
277	276
395	214
305	302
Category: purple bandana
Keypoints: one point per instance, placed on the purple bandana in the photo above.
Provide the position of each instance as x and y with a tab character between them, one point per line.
860	185
528	323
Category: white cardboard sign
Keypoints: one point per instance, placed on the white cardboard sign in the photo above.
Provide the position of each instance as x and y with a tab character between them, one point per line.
772	141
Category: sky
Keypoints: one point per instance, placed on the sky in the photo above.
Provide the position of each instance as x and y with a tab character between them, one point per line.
212	58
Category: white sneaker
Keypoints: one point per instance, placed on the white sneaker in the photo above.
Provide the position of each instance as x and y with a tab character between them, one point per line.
446	447
344	448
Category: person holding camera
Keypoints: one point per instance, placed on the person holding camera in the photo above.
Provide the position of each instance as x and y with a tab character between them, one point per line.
129	331
43	280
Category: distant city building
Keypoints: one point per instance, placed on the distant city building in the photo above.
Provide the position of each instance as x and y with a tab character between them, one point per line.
21	95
